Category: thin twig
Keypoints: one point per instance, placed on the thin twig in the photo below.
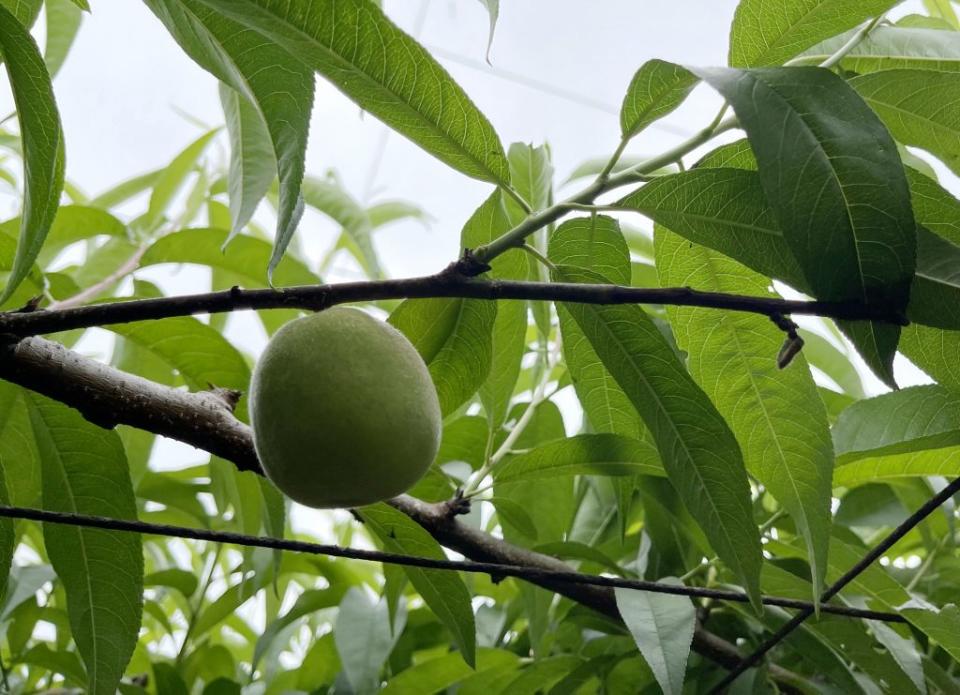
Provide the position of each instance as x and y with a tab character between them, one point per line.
875	553
491	568
445	284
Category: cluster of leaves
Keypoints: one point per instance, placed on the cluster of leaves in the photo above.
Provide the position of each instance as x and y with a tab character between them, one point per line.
696	450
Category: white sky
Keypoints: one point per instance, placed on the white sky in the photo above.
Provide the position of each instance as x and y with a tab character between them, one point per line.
126	85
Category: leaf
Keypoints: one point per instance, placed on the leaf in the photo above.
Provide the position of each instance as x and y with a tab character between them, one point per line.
63	24
776	414
585	454
8	540
834	179
331	199
364	639
662	626
384	71
41	139
935	352
173	178
916	105
508	336
19	456
595	243
183	581
934	207
835	363
493	10
125	190
272	84
227	603
941	624
202	356
454	338
308	602
85	472
697	448
443	591
769	32
438	674
909	420
244	260
891	47
657	88
253	164
933	462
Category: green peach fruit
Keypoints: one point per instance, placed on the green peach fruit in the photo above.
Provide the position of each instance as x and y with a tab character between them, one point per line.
343	409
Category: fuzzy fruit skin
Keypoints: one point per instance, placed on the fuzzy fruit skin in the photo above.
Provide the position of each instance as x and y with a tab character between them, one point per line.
343	409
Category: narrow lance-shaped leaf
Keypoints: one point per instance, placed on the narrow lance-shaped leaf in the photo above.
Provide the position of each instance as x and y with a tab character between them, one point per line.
585	454
697	448
253	164
776	414
7	537
834	178
444	592
274	84
769	32
508	337
63	22
373	62
656	89
85	472
493	10
662	626
42	142
887	48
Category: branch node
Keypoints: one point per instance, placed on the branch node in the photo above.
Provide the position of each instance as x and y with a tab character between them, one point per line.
792	344
229	397
31	306
456	506
469	264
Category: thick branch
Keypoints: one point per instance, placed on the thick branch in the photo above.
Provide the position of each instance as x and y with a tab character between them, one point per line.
109	397
449	283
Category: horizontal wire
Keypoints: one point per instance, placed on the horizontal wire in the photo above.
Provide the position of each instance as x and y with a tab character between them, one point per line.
496	570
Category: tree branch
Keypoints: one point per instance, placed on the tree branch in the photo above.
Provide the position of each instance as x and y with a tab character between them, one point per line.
108	397
449	283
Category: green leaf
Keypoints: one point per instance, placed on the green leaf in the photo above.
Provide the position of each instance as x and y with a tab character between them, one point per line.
19	456
384	71
509	332
364	638
834	179
595	243
8	541
85	472
917	107
25	11
662	626
769	32
832	361
173	178
308	602
935	352
934	207
436	675
253	164
888	48
443	591
585	454
227	603
183	581
125	190
776	414
919	464
913	419
454	338
493	10
63	23
941	624
272	84
697	448
202	356
329	197
656	90
244	260
42	141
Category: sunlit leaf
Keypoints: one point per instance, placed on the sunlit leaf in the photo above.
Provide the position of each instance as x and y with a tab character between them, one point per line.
657	88
586	454
890	47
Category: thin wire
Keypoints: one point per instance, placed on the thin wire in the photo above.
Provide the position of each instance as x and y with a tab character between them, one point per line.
876	552
496	570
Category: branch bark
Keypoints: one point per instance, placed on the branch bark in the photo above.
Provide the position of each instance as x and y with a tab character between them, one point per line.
452	282
108	397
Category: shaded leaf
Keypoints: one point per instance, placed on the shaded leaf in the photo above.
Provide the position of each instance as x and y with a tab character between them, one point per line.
890	47
585	454
41	138
85	472
364	639
384	71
